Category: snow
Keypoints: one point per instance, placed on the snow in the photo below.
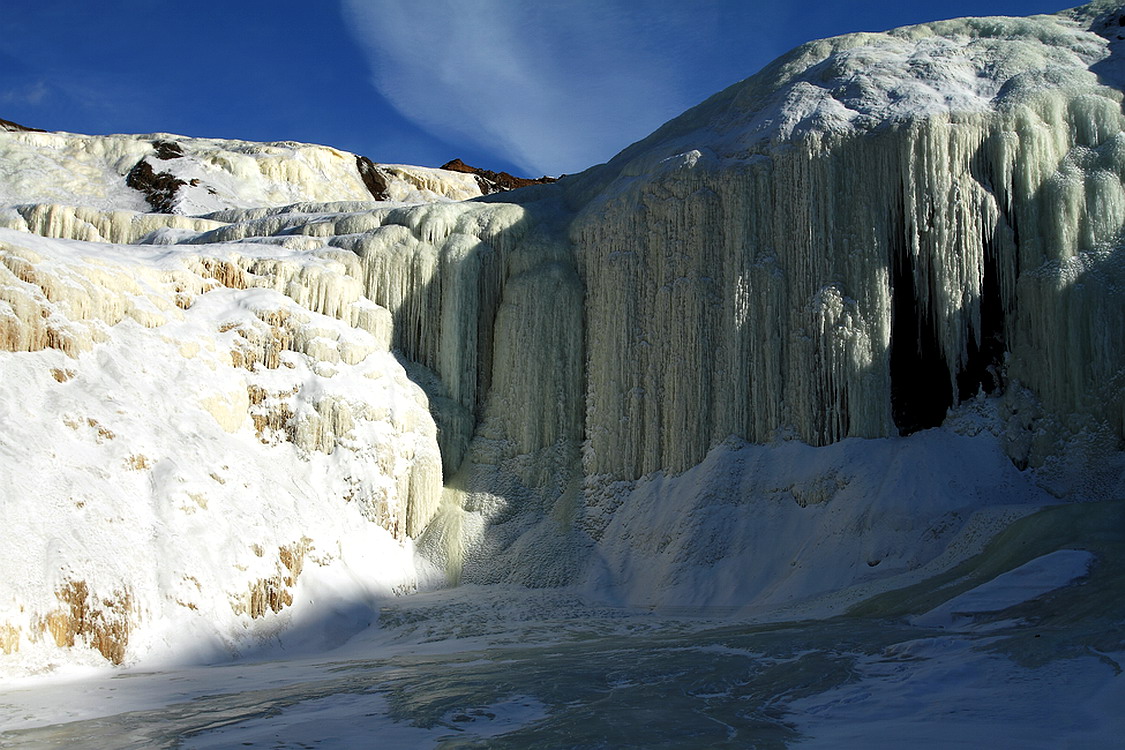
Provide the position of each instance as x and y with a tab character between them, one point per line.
832	518
223	396
943	692
160	438
1021	584
89	171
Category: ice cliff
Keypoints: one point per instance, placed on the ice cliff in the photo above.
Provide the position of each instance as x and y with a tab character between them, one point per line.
233	342
862	235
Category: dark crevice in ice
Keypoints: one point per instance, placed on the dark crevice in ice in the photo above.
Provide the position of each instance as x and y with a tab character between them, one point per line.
983	366
921	386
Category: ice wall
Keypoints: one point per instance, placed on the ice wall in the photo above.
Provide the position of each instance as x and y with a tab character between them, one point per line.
492	312
844	254
873	230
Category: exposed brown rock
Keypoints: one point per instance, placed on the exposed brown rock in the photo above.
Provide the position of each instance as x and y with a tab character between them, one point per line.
228	274
15	127
159	188
166	150
9	639
266	595
374	178
138	462
256	346
104	433
495	182
272	594
292	557
273	418
103	625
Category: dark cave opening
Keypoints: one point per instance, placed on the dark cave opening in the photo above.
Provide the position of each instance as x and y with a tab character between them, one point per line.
921	386
983	366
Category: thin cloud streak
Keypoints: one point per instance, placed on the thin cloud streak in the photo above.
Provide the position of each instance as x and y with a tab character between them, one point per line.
32	94
552	86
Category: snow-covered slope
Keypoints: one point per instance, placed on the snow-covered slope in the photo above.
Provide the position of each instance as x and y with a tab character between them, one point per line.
646	379
189	431
181	440
192	176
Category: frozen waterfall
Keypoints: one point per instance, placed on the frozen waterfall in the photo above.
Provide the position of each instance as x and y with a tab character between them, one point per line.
873	230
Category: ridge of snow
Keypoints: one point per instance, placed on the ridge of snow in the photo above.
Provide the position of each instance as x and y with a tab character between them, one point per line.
68	168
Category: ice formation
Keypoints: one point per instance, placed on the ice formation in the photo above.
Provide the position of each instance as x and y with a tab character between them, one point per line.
872	230
149	392
229	385
887	222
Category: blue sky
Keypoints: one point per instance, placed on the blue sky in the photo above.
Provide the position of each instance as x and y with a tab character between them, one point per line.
530	86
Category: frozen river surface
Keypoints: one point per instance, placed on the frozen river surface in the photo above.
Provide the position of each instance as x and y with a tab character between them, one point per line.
1031	657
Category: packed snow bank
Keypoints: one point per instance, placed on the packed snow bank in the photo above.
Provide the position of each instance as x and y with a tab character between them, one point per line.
1021	584
775	525
906	695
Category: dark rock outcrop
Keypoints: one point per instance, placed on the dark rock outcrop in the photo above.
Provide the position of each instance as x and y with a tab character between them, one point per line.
494	182
159	188
166	150
374	178
15	127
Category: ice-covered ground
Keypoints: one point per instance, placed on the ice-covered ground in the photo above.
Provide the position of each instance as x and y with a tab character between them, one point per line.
505	666
212	174
1019	642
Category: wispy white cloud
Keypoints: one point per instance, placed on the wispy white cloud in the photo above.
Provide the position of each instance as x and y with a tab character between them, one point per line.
553	85
31	94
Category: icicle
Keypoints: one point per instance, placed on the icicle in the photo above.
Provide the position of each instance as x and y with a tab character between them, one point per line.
795	252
